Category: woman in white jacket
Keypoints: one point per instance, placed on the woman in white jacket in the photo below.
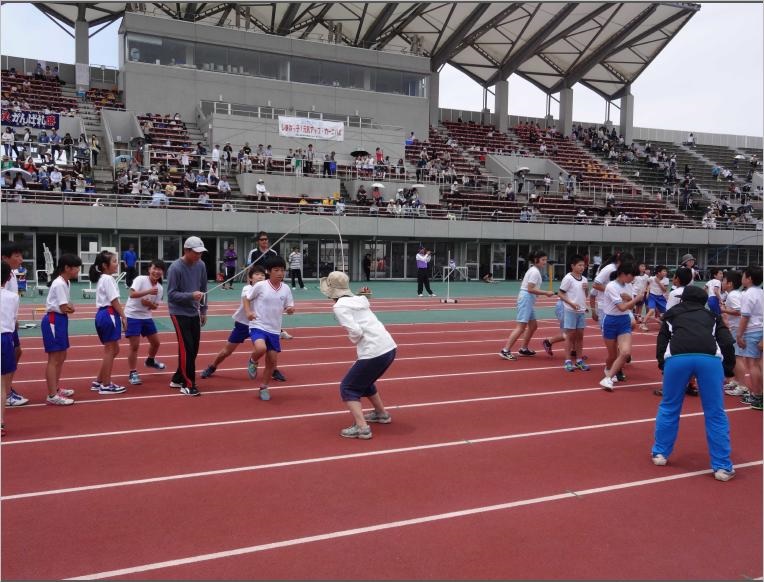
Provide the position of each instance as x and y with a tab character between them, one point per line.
376	352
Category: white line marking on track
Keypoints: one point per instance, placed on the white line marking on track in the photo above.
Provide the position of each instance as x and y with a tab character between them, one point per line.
365	454
306	415
397	524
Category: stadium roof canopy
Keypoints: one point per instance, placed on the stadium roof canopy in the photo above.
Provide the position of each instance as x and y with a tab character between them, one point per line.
602	45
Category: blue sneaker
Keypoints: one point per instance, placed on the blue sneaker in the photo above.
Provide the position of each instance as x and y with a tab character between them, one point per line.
112	388
582	366
95	385
15	399
134	378
569	367
208	371
265	394
252	369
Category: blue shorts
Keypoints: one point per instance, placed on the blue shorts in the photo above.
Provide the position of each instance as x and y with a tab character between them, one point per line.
272	341
713	305
108	324
574	319
657	302
144	327
7	354
751	349
16	340
525	303
239	333
360	379
559	313
615	325
55	332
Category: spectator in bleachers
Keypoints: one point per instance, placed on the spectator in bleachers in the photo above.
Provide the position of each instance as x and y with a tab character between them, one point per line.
170	189
9	142
227	156
224	187
262	191
95	149
310	155
268	155
55	145
56	178
200	150
159	198
203	201
67	142
227	206
83	147
215	156
39	73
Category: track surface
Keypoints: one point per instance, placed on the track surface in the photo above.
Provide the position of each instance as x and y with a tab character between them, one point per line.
490	469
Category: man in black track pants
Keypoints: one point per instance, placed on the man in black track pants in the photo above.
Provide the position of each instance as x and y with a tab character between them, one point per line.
186	289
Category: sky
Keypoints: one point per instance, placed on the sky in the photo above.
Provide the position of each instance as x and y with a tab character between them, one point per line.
710	77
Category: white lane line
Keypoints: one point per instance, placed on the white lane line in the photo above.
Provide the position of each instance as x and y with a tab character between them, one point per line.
309	385
346	346
397	524
314	460
305	415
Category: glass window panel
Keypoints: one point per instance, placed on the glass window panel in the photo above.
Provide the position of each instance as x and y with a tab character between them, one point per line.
170	248
355	77
334	74
388	81
242	62
412	85
176	52
305	71
273	66
86	239
144	49
211	57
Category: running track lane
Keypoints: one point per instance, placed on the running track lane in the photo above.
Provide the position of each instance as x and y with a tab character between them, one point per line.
151	523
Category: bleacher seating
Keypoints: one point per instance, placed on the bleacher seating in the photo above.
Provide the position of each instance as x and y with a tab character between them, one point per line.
40	94
101	98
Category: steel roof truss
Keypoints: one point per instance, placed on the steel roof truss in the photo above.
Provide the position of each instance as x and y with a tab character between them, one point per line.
445	52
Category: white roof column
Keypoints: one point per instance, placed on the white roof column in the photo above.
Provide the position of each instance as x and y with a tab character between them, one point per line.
627	115
501	105
82	49
434	87
565	125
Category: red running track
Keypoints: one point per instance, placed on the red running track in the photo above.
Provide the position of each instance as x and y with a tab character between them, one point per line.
514	445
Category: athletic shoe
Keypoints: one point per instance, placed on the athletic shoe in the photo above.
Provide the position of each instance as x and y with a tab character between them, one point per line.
507	355
569	367
420	295
730	385
209	371
756	403
353	432
620	376
724	474
58	400
174	384
375	416
526	352
285	335
252	369
607	384
134	378
659	460
691	390
658	391
2	430
628	359
736	390
66	392
112	388
433	295
582	366
644	327
278	376
190	391
748	399
15	399
547	347
155	364
265	394
95	385
614	379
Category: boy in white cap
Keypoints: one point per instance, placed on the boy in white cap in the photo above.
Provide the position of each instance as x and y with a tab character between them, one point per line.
376	352
186	289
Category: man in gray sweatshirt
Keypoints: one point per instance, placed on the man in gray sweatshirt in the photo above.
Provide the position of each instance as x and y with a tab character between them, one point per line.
186	290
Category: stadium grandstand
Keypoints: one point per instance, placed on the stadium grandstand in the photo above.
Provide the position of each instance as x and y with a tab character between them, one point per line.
212	99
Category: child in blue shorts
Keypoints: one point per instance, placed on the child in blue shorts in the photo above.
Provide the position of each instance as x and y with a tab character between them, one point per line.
617	304
9	309
272	298
714	290
657	288
573	291
749	332
109	319
145	294
241	317
55	327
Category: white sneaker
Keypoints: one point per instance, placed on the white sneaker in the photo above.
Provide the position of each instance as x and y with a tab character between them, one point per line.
285	335
723	474
613	379
420	295
737	390
659	460
66	392
58	400
607	384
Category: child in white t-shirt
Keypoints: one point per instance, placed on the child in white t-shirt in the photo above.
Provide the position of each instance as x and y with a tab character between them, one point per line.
749	332
714	290
109	319
573	291
272	298
144	297
640	284
241	317
9	309
731	313
657	288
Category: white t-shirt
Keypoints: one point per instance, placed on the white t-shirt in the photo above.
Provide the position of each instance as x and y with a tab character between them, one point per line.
270	303
675	297
9	310
734	300
711	286
750	305
603	276
12	284
640	284
134	308
574	290
106	291
532	275
58	295
612	297
239	316
655	288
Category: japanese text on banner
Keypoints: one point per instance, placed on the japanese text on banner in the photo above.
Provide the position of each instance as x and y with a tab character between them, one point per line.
311	128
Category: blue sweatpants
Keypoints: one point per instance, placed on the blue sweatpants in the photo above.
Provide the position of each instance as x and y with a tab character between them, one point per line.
676	373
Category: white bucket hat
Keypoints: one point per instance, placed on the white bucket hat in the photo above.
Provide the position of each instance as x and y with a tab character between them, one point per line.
335	285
